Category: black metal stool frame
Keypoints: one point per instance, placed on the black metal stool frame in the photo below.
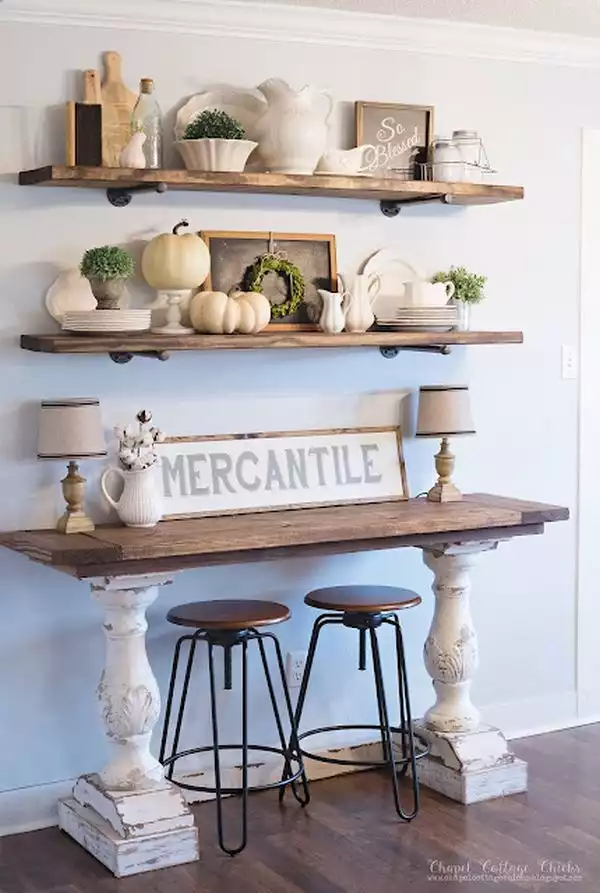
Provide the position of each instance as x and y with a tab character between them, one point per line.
398	766
289	750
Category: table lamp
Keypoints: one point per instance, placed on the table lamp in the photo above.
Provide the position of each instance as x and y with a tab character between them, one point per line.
72	429
444	411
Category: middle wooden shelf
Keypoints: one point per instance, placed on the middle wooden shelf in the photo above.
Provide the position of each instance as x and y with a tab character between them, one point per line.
127	346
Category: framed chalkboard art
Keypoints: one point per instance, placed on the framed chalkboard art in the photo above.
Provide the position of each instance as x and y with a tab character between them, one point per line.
401	135
288	268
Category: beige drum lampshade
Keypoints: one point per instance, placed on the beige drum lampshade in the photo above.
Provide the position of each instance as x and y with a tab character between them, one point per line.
71	428
444	411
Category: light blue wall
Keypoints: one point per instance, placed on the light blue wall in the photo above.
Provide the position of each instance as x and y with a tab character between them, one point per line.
51	648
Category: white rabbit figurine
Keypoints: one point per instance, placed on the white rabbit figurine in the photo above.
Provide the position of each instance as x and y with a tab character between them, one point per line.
132	155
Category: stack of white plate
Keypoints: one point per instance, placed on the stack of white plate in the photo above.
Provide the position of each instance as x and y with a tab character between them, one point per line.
422	319
105	322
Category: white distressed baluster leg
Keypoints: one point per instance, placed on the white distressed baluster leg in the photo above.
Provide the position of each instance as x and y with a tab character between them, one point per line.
468	760
128	816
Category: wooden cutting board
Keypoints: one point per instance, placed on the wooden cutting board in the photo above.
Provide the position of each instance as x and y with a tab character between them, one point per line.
117	106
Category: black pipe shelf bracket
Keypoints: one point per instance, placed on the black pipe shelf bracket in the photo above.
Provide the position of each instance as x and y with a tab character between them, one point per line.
120	196
389	353
121	357
391	207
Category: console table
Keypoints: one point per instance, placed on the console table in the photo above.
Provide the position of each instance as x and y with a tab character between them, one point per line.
128	815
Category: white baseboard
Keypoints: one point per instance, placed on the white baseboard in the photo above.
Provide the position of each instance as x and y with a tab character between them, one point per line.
533	716
28	809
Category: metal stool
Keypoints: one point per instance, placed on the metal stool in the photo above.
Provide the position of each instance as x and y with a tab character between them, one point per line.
228	624
366	608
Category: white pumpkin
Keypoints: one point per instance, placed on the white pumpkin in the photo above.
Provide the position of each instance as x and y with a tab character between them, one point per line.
173	262
255	311
214	312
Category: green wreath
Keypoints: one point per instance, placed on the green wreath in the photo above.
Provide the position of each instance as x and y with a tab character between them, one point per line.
271	263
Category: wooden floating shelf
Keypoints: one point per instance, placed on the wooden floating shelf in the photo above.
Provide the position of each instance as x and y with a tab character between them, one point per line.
123	347
121	182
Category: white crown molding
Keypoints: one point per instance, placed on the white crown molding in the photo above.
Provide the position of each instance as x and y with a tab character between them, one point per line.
253	20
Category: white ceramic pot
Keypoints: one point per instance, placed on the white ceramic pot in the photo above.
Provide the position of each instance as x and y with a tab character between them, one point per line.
141	502
215	155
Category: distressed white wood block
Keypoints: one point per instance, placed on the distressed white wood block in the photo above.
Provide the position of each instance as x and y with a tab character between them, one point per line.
126	855
470	766
135	813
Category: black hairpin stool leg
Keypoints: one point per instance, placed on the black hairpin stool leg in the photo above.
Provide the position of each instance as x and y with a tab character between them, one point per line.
231	851
184	692
385	725
318	625
292	749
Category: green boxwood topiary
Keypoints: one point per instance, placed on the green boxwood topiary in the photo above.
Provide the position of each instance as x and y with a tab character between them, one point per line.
468	287
214	124
106	263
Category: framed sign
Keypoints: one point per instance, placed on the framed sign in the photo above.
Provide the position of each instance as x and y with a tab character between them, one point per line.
401	135
240	473
231	254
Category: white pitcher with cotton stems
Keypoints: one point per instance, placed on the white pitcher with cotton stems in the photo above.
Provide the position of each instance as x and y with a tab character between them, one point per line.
292	134
359	300
141	502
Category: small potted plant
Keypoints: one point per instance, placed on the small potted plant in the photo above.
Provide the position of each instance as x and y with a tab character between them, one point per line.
214	141
107	268
468	290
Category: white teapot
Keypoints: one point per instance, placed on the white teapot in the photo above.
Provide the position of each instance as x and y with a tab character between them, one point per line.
420	293
293	132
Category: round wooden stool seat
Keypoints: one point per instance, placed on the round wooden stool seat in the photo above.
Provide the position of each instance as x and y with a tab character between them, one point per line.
362	599
231	614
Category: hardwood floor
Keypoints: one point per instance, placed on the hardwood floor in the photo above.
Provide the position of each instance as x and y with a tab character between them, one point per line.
349	841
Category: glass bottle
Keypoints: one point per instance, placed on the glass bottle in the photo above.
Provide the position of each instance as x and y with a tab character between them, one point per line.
147	118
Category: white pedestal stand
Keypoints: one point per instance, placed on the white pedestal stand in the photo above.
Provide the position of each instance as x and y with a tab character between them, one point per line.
128	816
468	760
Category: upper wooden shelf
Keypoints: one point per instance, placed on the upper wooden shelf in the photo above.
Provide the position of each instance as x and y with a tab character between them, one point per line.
123	348
391	192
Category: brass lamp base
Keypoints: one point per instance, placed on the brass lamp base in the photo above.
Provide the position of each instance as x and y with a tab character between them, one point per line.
444	490
74	519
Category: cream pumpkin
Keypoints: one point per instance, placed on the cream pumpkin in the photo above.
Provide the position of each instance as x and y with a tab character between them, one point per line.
255	311
173	262
214	312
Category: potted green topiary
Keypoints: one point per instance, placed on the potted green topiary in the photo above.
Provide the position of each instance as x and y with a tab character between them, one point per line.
214	141
107	268
468	290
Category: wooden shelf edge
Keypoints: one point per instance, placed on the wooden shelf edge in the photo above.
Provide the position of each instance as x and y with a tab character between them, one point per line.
159	344
380	189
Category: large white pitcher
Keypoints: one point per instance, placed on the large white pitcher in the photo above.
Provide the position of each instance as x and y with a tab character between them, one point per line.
358	301
293	132
141	502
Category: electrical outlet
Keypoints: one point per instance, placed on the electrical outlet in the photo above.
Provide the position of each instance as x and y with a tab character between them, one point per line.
569	361
294	667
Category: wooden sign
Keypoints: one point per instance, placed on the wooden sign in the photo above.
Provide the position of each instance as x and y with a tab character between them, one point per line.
401	135
231	253
238	473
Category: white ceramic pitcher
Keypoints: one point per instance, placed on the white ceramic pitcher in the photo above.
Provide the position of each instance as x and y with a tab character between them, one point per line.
358	301
293	132
332	316
141	502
